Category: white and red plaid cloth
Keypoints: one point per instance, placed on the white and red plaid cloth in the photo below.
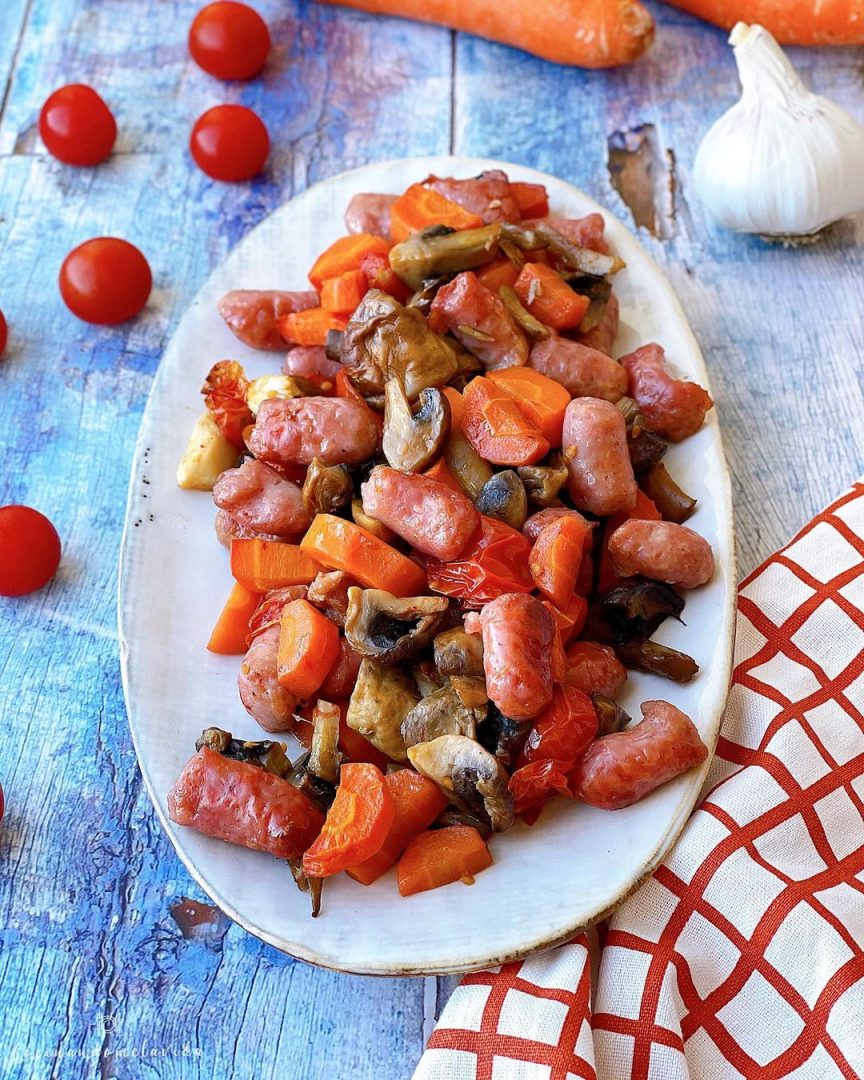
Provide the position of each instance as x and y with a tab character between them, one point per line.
744	954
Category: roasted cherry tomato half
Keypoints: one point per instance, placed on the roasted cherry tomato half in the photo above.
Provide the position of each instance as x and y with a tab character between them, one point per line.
230	142
4	333
229	40
77	126
29	550
105	281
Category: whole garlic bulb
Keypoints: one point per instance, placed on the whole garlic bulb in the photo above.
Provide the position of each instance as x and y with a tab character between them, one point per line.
783	162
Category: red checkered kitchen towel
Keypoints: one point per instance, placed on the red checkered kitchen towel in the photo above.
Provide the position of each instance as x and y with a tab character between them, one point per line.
744	954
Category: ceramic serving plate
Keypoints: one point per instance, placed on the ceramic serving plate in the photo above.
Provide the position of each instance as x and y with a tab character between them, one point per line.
547	882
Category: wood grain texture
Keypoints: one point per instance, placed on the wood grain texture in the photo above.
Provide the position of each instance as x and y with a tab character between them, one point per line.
89	882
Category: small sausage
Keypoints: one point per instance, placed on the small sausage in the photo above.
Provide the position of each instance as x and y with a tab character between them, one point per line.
595	449
517	654
617	770
259	499
310	362
243	804
252	314
584	372
586	232
262	696
293	431
488	195
432	516
342	676
594	669
269	611
228	528
663	551
674	408
369	213
479	321
602	337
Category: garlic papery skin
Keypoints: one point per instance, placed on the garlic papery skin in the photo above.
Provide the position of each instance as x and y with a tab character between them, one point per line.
783	162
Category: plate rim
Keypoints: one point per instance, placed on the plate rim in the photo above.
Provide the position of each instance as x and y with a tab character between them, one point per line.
688	799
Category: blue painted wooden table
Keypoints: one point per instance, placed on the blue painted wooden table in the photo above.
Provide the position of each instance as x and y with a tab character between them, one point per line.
110	962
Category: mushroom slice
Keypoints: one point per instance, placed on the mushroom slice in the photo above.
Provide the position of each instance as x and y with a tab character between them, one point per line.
468	775
381	699
471	690
324	754
413	440
503	497
329	593
458	653
543	483
427	677
503	737
268	754
441	713
370	524
327	488
389	628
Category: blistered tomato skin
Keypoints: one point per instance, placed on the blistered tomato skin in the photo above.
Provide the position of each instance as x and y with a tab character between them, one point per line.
77	126
29	550
229	40
517	654
4	333
618	770
663	551
105	281
230	143
595	449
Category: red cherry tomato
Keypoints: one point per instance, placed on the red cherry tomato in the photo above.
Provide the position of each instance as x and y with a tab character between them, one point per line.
4	333
230	142
229	40
29	550
77	126
105	281
2	802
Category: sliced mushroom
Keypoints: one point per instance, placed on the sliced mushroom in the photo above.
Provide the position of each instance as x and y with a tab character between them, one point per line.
543	483
503	737
423	297
658	659
672	502
458	653
333	345
635	609
266	753
440	250
381	699
327	488
427	677
318	790
471	690
522	316
610	716
452	816
329	593
465	463
392	629
306	884
645	447
441	713
503	497
370	524
324	754
470	777
412	441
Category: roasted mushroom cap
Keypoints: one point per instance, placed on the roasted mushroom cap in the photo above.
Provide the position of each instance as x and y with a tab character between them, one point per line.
458	653
471	690
370	524
266	753
427	677
503	497
502	736
543	483
329	593
324	754
439	250
391	629
441	713
327	488
412	441
381	699
634	609
644	447
468	775
470	470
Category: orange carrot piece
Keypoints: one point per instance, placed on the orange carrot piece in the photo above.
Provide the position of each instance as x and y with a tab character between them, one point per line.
419	207
499	272
570	619
308	647
342	294
496	427
539	398
644	510
557	556
262	565
792	22
231	632
457	407
584	33
533	199
440	471
417	802
342	545
345	254
309	327
441	857
357	822
549	298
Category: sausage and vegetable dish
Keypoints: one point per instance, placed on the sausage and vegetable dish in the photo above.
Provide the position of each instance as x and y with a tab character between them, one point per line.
451	533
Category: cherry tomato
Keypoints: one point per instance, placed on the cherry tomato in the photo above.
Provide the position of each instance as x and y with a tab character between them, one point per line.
2	802
533	784
230	142
77	126
4	333
494	563
229	40
105	281
29	550
224	391
563	731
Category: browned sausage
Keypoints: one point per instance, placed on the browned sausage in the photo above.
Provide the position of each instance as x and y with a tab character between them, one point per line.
584	372
517	654
602	337
594	669
464	306
488	195
228	528
310	361
586	232
293	431
674	408
260	500
595	448
661	550
369	213
262	696
252	314
538	522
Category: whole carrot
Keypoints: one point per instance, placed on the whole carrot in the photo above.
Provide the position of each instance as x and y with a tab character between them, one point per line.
792	22
582	33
